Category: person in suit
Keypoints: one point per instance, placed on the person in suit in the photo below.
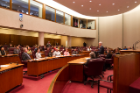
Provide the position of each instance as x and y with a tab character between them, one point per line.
84	44
25	55
17	50
75	52
38	54
51	53
56	52
2	52
92	56
101	48
48	44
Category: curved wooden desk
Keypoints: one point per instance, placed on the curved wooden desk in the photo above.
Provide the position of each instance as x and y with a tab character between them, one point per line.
9	58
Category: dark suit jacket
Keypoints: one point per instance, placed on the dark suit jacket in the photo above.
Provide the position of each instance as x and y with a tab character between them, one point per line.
108	56
101	50
25	56
16	51
50	54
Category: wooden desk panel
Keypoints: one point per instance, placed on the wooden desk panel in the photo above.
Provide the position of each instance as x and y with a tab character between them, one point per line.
12	77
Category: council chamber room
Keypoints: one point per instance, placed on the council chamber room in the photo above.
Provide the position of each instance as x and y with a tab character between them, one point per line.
69	46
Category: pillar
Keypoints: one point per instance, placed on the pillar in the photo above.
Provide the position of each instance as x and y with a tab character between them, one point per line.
41	38
69	41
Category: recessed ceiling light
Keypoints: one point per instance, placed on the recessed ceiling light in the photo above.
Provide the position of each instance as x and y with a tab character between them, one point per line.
90	1
127	6
82	5
106	11
118	9
73	2
99	4
97	10
135	1
113	3
89	8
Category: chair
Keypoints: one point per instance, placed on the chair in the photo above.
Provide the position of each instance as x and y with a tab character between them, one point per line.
110	60
94	69
11	50
22	61
106	84
33	54
46	52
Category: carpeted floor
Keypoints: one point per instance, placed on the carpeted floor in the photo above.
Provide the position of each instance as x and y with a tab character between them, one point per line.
34	85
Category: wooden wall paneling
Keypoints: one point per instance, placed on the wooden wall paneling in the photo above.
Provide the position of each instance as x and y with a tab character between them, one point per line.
4	38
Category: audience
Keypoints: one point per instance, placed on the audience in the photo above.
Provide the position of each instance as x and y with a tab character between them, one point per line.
25	55
17	50
75	52
66	53
56	53
38	54
2	52
51	53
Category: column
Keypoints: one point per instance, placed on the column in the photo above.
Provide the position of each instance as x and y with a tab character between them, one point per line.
40	11
41	38
69	41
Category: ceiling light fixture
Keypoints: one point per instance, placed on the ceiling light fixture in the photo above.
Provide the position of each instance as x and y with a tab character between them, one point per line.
118	9
82	5
99	4
90	1
89	8
113	3
97	10
73	2
127	6
106	11
135	1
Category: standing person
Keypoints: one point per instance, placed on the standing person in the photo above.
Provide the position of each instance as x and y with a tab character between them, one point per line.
48	44
84	44
101	48
57	44
17	50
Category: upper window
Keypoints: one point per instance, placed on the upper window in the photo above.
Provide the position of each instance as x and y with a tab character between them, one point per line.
82	23
50	13
20	6
91	24
67	19
5	3
75	22
35	9
59	17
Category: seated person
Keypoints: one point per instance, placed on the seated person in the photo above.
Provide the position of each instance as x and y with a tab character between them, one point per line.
44	48
17	50
75	52
109	55
125	48
2	52
29	50
66	53
117	51
89	49
51	53
38	54
56	53
25	55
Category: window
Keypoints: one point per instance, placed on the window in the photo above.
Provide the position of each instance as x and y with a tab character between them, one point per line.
35	9
50	13
91	24
82	23
5	3
67	19
20	5
75	22
59	17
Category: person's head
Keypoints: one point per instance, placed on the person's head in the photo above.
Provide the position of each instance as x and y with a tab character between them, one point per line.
117	50
75	49
109	51
100	43
25	49
124	47
92	55
38	50
10	45
52	50
2	48
17	47
56	49
28	48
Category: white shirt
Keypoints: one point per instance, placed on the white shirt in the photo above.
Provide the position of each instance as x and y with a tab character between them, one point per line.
88	49
38	55
56	53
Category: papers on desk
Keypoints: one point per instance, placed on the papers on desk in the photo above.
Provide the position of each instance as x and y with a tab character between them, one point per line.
57	56
82	62
87	58
4	65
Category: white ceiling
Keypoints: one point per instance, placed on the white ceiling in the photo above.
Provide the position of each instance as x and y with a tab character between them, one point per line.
100	7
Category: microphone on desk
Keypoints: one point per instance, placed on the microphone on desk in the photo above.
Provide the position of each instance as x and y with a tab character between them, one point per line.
17	63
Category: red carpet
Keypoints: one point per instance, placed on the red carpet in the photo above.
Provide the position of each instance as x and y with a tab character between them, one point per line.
34	85
76	87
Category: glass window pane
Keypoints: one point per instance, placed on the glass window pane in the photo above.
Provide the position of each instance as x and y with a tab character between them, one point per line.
59	17
82	23
91	24
5	3
35	9
20	5
50	13
67	19
75	22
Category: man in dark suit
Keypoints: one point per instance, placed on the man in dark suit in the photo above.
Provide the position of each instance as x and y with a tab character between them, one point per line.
84	44
48	44
25	55
101	48
17	50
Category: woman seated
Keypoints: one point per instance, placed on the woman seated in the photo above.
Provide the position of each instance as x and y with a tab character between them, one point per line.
66	53
2	52
38	54
88	48
29	50
51	53
109	55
